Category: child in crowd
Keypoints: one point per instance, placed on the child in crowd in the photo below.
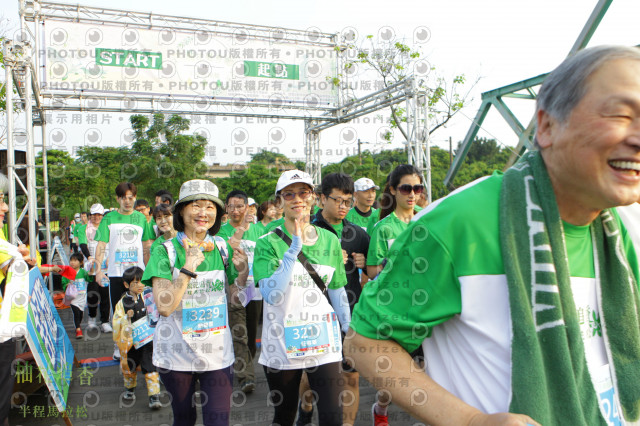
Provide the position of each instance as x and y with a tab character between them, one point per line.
76	261
132	334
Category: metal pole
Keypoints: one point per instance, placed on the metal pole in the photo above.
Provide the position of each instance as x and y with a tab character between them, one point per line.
45	188
32	208
9	64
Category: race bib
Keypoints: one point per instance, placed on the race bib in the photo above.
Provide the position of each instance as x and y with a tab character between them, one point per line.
606	395
142	333
204	314
304	338
81	285
127	257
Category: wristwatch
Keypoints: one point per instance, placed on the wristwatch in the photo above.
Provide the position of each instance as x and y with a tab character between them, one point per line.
188	273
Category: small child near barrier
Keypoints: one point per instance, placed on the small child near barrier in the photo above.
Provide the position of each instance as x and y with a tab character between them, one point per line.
133	334
76	290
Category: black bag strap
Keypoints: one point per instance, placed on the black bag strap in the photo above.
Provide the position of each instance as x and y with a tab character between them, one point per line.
305	262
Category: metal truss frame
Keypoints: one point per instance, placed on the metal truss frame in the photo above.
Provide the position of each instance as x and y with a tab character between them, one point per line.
19	75
418	145
494	98
23	67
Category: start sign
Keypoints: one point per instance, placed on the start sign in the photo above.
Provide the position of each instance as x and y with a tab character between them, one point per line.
128	58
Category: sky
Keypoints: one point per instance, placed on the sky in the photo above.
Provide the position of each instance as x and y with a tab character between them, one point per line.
496	42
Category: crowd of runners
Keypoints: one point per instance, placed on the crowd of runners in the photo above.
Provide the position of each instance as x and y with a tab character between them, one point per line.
513	300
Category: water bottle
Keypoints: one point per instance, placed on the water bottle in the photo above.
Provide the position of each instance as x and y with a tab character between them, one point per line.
105	281
152	311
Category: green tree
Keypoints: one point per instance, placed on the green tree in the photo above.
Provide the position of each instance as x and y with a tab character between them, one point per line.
394	61
162	155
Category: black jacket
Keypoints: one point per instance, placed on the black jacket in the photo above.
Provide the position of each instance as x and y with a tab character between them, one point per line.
354	239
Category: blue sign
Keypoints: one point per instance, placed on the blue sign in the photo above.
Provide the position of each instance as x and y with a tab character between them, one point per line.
48	341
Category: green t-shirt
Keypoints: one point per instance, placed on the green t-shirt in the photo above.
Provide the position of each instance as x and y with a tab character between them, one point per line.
226	231
81	233
160	266
373	219
124	235
326	251
382	238
274	224
158	241
338	228
356	218
450	244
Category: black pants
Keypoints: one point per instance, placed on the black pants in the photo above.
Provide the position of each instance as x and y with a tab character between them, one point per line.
254	312
141	357
98	296
325	380
77	315
73	247
116	290
7	355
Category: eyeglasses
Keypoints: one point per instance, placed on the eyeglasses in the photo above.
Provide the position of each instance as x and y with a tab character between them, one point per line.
406	189
232	207
342	201
290	196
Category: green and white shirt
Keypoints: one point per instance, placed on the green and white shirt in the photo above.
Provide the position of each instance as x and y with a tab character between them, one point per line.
302	302
124	235
382	238
81	281
177	345
447	282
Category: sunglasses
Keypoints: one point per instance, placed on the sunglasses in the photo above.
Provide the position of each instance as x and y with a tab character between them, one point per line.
406	189
290	196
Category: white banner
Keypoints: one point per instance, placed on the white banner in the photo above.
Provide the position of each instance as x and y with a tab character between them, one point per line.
136	62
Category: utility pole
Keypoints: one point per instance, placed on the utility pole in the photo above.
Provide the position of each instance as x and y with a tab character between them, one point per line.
360	151
450	153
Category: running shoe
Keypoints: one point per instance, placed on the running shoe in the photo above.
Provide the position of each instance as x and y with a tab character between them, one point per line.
93	322
378	419
304	417
106	328
78	334
129	394
116	353
154	402
248	386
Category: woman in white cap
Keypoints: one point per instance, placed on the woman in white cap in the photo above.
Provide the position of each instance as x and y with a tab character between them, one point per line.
192	342
97	293
300	331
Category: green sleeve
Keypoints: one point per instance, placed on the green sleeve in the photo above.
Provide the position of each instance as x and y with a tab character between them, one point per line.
65	282
82	235
417	290
147	233
339	278
379	244
158	266
102	233
265	259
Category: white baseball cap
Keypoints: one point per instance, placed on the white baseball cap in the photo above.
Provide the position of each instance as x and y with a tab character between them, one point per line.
364	184
97	209
293	176
76	216
251	202
199	189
